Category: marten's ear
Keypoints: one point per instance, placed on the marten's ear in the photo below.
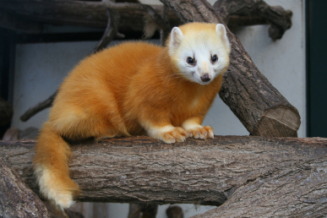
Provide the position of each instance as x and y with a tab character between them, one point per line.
175	39
222	34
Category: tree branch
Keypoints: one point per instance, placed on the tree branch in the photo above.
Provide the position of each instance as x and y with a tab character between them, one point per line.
27	15
39	107
86	13
250	12
251	175
16	198
109	33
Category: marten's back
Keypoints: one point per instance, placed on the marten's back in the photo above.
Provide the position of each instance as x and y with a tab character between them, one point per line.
99	82
112	66
112	69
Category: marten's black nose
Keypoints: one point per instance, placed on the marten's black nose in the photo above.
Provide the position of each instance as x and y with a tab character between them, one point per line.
205	77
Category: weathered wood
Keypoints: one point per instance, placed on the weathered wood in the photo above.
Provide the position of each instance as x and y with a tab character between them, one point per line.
28	15
246	12
258	175
85	13
109	32
12	22
258	105
282	191
16	199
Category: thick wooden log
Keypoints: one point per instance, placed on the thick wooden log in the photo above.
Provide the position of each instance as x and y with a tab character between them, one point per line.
246	12
85	13
264	176
28	15
258	105
11	22
16	199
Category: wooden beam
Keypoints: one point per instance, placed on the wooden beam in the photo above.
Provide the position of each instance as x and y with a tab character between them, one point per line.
16	197
251	175
86	13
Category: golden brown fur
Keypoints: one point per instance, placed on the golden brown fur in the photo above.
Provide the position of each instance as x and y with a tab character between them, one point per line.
129	89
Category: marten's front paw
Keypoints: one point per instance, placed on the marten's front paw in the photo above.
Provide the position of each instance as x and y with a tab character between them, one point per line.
176	135
201	132
169	134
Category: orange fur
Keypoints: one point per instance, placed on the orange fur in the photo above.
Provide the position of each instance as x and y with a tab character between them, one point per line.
129	89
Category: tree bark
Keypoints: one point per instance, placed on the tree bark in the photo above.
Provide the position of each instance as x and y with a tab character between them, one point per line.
258	105
84	13
28	15
250	175
247	12
11	22
16	199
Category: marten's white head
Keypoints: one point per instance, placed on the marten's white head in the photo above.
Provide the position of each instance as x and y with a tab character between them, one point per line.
200	51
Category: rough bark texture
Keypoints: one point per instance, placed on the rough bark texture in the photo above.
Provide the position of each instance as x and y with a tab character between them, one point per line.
29	15
82	13
258	105
252	176
247	12
16	199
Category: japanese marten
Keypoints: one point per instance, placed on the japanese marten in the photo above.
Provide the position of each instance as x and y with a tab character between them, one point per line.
130	89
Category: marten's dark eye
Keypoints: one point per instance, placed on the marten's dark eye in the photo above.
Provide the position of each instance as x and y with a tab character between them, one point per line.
214	58
191	61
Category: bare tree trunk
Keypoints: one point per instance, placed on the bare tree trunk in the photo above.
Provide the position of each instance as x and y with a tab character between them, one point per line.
250	175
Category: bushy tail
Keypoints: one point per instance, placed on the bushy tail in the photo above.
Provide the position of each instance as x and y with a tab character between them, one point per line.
51	168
